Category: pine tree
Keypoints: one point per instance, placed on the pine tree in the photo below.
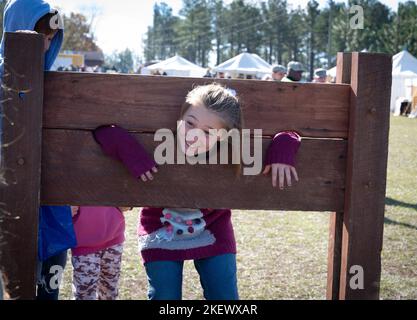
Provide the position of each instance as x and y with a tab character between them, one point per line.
312	16
407	26
275	29
79	35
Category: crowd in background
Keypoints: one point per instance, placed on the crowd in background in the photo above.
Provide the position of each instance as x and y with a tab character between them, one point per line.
293	72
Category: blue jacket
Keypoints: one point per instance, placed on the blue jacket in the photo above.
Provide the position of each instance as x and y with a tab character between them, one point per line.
23	15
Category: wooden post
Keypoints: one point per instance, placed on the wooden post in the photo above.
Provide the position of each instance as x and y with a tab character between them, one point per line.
334	255
344	64
363	219
343	68
21	163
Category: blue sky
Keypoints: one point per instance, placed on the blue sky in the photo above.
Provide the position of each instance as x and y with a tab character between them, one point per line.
121	24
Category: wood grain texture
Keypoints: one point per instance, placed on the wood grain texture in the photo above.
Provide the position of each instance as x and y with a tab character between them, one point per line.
344	65
148	103
366	173
76	172
334	255
20	190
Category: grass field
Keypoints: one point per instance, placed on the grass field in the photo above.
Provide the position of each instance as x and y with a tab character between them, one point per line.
283	255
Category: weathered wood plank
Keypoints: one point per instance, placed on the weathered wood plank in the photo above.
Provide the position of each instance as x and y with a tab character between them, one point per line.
343	68
147	103
344	64
20	190
75	171
334	255
366	175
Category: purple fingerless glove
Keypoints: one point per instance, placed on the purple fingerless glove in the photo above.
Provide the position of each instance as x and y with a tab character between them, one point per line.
283	148
117	143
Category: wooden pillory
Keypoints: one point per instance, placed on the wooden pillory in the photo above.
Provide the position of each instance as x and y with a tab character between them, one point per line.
50	157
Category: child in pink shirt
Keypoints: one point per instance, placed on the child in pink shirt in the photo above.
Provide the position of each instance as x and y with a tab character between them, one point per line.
97	258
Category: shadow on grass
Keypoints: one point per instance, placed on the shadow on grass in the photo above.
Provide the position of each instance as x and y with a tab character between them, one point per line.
393	202
396	223
396	203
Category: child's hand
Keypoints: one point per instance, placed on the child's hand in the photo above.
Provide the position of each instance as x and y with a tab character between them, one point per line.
280	156
74	210
148	175
282	171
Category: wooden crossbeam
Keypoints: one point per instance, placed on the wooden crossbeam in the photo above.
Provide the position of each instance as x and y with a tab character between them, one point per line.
75	171
148	103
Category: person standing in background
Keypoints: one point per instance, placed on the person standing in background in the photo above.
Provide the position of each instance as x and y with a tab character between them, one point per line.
294	72
278	72
320	76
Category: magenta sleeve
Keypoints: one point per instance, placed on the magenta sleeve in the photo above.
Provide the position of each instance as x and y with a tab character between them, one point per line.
283	148
118	144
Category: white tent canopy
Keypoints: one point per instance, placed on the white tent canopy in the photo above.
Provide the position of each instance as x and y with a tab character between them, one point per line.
332	72
179	67
245	63
404	71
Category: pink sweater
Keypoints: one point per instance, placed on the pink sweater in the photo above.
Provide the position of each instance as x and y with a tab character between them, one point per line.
97	228
182	234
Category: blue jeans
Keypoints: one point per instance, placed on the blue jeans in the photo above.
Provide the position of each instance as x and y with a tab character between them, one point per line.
217	277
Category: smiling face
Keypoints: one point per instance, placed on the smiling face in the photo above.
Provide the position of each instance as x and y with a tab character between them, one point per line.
207	116
199	141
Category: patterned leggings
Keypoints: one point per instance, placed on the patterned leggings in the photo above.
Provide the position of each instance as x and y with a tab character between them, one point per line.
96	275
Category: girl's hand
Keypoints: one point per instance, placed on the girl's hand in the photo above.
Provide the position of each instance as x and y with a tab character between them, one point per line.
148	175
74	210
282	172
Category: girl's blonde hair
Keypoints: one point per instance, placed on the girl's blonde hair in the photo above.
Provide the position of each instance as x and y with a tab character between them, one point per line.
220	100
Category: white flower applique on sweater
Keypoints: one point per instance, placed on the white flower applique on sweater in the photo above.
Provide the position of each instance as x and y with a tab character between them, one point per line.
182	229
